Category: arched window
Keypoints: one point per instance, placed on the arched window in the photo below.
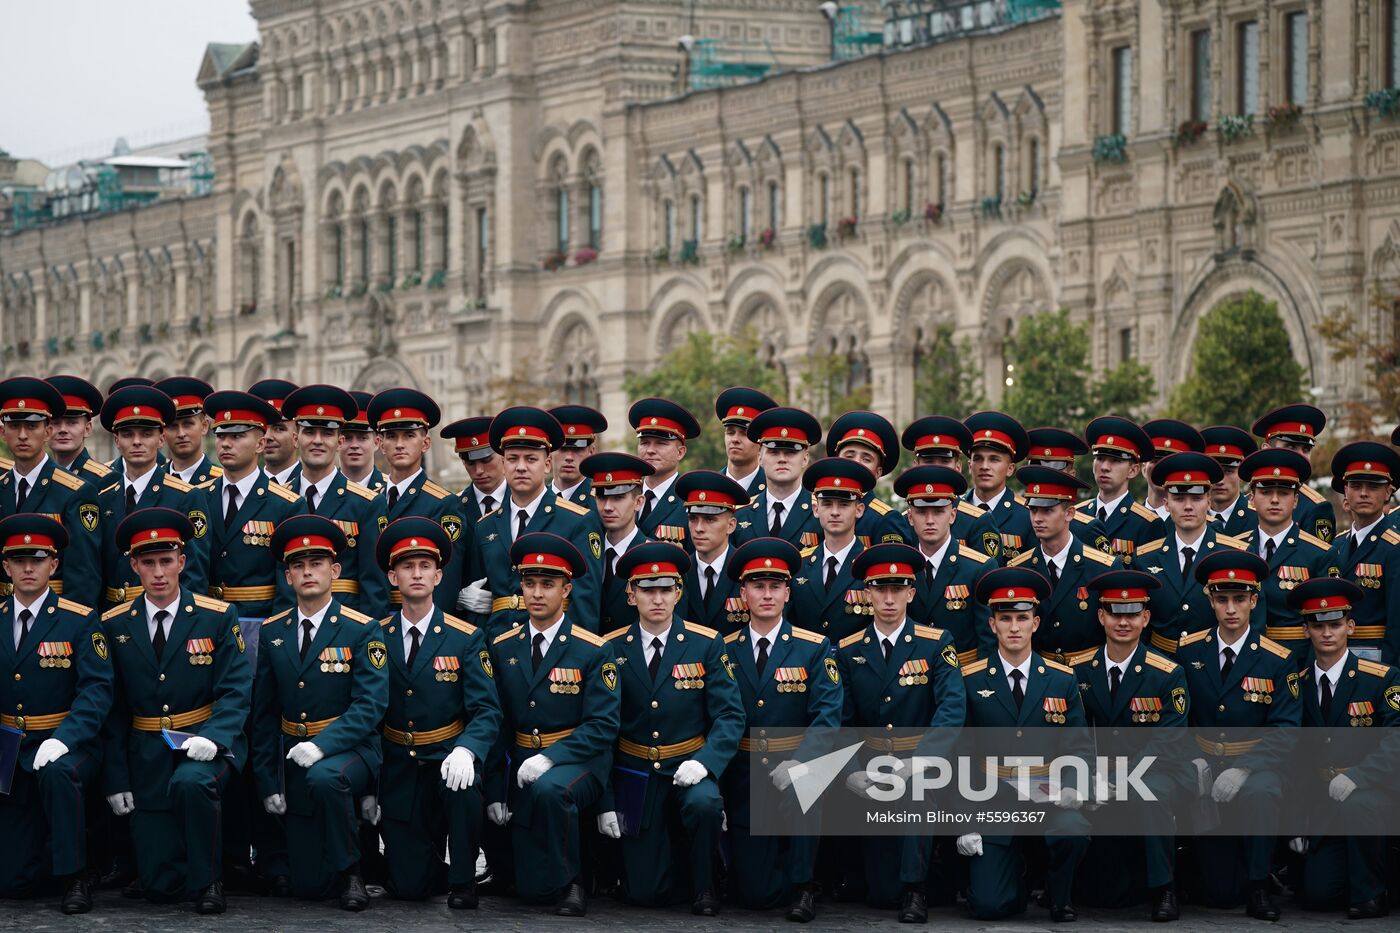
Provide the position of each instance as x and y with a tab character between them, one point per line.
745	213
824	198
855	192
695	224
364	268
391	248
1033	173
999	172
595	214
250	265
338	234
415	221
561	209
775	217
909	186
943	192
668	225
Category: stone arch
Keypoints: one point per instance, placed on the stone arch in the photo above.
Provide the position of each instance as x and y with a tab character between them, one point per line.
384	372
1234	217
573	347
675	325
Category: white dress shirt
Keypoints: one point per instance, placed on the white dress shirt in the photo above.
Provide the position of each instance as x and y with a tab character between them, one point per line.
840	556
549	635
1195	547
1024	667
34	610
1277	539
718	565
1237	647
498	497
32	477
772	637
315	620
647	650
140	482
284	478
403	486
420	626
935	560
1333	675
1059	559
993	502
321	487
169	611
244	487
1109	508
530	508
788	504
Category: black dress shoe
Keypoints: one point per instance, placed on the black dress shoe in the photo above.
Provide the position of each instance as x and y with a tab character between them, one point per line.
574	903
279	886
1261	904
705	905
1164	908
913	908
1065	914
132	890
804	906
354	897
462	897
77	898
211	900
1375	907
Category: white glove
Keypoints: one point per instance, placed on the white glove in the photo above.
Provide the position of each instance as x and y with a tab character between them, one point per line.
121	804
1069	799
970	844
1203	778
608	826
497	813
1340	788
276	805
787	772
858	783
1229	784
198	748
532	769
369	810
457	770
305	754
475	597
49	750
1298	845
689	772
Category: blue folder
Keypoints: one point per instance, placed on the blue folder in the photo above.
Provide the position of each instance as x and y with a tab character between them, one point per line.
629	797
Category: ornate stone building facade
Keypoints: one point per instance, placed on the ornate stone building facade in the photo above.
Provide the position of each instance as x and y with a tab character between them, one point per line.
484	197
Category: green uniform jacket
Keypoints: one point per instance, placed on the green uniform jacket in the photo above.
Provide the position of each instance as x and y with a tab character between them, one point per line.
1128	527
240	555
119	582
362	585
72	502
800	526
1269	698
1181	606
947	602
1374	566
918	687
425	499
1069	619
835	612
93	472
1298	557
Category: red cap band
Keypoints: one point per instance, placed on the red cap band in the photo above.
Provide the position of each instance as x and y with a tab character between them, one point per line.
654	570
525	433
1123	596
766	565
1186	478
1168	445
183	402
238	416
932	491
1225	452
778	433
1013	594
843	483
987	436
543	561
136	413
937	442
28	542
308	543
710	497
654	423
413	546
1052	453
76	405
1366	468
862	436
739	413
1288	427
1232	575
1277	473
617	478
25	406
402	416
327	412
474	442
1326	604
1120	443
1050	491
578	430
893	570
156	536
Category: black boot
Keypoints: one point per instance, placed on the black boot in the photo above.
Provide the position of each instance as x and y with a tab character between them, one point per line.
705	904
1375	907
1164	908
354	897
913	908
462	897
211	899
574	903
77	897
804	905
1065	914
1261	904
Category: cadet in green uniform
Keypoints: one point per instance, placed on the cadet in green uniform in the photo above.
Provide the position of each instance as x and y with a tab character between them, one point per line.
682	718
1274	476
1368	554
1237	678
788	679
898	675
1120	447
558	686
662	429
1127	690
485	468
317	414
998	444
1068	628
735	407
709	596
1228	446
581	426
185	433
616	483
68	445
135	416
1180	607
938	440
1356	783
279	443
825	595
174	743
869	440
1297	428
944	585
403	419
1055	449
1169	436
525	437
1015	687
361	444
35	483
55	691
784	509
322	688
443	719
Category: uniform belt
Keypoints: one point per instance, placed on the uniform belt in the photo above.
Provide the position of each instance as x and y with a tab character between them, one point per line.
785	744
57	587
1072	657
1163	643
409	739
1225	749
118	594
178	721
902	743
8	589
661	752
34	723
503	603
967	657
347	587
243	594
305	729
1033	771
395	598
1369	632
1285	632
539	740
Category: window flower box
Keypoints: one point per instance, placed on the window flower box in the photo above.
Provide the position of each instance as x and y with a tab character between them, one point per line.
846	227
1284	116
1235	127
554	262
735	244
1190	131
900	217
438	279
816	236
585	256
933	213
991	208
1385	102
1111	149
248	307
661	255
690	253
768	237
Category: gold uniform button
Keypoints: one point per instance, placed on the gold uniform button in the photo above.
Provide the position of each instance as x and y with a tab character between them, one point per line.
301	685
532	704
760	703
656	735
1222	707
410	691
655	705
165	708
19	677
162	677
412	753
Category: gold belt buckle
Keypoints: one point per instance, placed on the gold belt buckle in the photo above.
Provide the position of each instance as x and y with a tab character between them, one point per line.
517	602
301	730
1220	749
886	745
653	753
165	722
19	721
408	739
1058	657
535	742
216	591
763	745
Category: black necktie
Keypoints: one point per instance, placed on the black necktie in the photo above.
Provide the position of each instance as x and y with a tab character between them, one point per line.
1017	693
928	572
1188	557
1115	677
413	646
1103	514
1269	549
830	572
984	506
888	646
1326	698
646	509
305	637
488	505
130	498
521	518
654	664
762	660
1350	547
537	651
775	527
1054	574
311	499
158	642
1227	664
231	509
21	495
393	496
609	556
709	585
25	617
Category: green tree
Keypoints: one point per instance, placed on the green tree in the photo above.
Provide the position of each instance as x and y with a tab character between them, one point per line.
830	387
947	381
1374	342
1052	382
696	372
1241	366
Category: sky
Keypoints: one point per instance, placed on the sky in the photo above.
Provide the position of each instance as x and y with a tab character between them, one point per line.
77	74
